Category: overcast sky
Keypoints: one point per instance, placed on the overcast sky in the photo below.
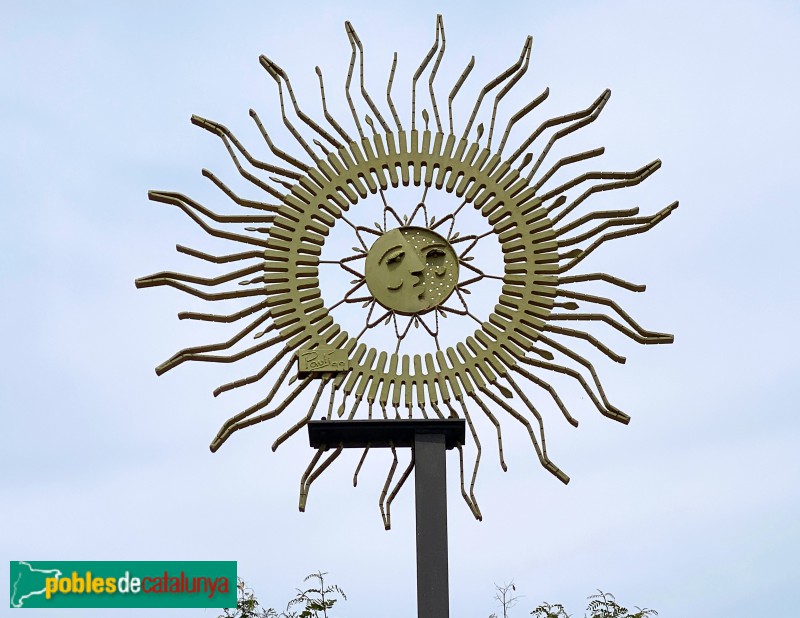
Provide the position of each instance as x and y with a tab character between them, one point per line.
693	509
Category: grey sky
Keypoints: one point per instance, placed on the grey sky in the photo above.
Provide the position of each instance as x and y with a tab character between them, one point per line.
692	509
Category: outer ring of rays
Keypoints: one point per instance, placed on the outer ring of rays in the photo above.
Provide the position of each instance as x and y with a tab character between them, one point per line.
489	372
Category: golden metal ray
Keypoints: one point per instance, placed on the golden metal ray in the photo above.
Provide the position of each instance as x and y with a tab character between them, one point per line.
398	486
351	34
387	524
526	50
389	94
492	84
309	478
325	111
586	115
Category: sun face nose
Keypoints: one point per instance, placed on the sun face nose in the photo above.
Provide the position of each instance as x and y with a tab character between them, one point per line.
414	263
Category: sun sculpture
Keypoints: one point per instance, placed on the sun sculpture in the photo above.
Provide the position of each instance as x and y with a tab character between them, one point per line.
414	267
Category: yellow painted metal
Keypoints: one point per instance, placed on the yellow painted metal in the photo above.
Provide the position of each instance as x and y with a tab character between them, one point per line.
413	270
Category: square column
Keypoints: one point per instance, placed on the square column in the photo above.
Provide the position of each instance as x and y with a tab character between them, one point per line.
430	476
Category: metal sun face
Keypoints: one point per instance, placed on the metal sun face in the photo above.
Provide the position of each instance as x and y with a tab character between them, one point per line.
409	274
411	270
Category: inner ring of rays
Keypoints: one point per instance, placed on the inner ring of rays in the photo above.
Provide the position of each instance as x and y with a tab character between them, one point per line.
483	374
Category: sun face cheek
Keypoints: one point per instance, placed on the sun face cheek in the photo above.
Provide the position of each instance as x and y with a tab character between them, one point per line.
432	280
393	276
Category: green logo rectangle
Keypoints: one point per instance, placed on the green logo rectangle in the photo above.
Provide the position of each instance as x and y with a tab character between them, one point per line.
122	584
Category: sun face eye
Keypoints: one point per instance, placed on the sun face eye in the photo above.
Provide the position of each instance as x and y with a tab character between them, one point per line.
395	258
436	258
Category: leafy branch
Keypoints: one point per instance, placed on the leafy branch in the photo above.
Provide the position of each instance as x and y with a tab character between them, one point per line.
313	602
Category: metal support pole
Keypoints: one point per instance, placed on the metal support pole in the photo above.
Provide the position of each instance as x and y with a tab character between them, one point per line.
430	438
433	597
